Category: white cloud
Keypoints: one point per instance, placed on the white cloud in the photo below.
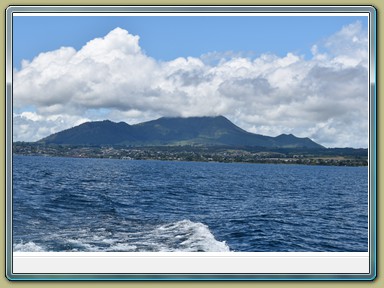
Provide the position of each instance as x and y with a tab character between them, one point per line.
30	125
325	97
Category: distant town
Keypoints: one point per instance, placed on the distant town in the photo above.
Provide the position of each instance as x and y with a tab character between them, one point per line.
328	157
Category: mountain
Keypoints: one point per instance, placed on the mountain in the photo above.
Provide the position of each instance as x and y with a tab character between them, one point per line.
173	131
93	133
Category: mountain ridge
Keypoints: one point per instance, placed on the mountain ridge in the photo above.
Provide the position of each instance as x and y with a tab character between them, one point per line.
171	131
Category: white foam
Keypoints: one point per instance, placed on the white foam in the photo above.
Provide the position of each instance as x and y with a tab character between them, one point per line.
122	247
188	236
180	236
81	245
27	247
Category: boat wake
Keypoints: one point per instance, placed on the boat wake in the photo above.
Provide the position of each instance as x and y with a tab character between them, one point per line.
180	236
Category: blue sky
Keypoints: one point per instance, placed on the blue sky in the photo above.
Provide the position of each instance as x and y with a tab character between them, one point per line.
305	75
166	38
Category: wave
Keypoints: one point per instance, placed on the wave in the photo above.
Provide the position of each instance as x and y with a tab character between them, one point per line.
27	247
188	236
180	236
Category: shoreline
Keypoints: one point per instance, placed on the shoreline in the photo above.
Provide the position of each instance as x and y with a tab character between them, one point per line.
309	161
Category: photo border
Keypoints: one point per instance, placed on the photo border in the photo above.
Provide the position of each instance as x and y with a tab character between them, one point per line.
240	9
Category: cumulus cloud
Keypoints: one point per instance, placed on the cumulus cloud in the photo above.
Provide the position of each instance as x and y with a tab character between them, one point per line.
30	125
324	98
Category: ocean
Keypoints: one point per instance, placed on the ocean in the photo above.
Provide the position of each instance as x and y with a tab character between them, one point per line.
101	205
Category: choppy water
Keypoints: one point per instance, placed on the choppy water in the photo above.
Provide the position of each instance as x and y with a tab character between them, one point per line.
67	204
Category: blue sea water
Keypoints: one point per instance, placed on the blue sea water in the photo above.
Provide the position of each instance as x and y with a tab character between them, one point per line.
68	204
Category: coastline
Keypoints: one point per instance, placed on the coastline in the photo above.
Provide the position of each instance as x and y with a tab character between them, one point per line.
200	154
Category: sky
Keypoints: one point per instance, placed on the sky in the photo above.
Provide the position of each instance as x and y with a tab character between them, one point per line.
269	75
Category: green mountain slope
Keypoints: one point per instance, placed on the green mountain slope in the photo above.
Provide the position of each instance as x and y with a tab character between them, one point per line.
93	133
173	131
